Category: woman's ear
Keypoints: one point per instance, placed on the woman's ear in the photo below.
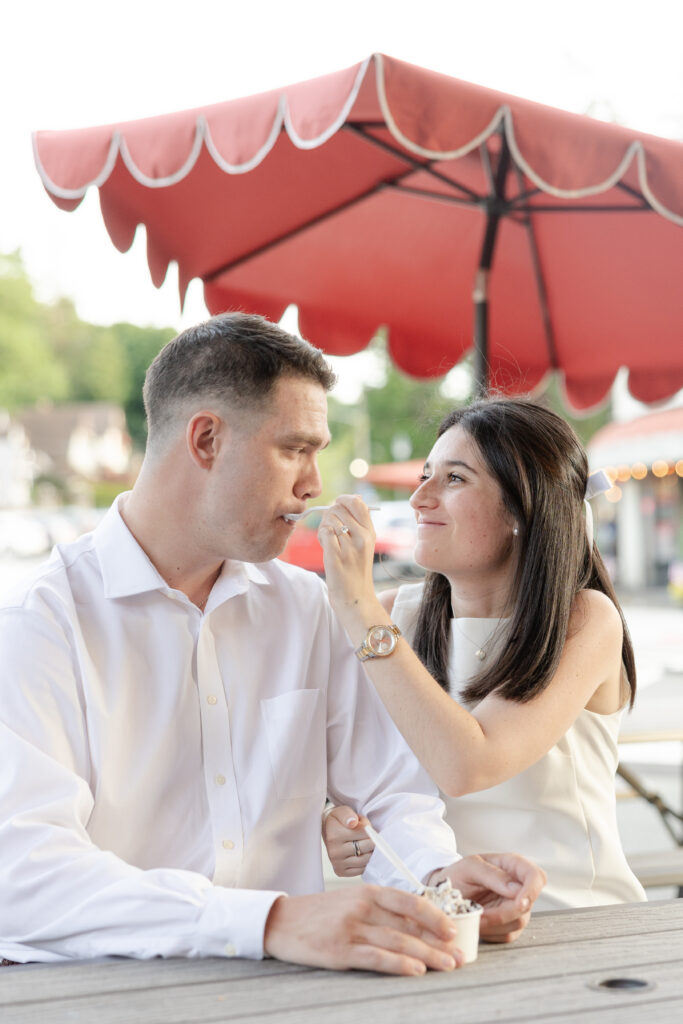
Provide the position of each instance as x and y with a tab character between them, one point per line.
203	438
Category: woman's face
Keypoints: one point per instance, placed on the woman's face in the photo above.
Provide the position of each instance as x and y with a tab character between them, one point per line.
463	528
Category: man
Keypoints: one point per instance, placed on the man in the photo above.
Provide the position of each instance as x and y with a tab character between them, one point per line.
176	706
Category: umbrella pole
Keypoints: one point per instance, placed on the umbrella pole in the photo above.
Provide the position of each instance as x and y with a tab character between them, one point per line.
496	207
481	331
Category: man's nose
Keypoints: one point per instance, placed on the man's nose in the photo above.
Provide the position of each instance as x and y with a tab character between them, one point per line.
309	484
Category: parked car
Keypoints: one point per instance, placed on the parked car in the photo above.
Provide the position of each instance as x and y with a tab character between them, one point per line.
396	532
395	529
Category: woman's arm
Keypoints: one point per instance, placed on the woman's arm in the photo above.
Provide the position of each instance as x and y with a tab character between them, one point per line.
463	751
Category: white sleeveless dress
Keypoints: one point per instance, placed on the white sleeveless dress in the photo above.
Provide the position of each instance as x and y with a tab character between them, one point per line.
560	812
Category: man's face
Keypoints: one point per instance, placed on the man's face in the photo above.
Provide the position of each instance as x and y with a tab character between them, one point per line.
266	466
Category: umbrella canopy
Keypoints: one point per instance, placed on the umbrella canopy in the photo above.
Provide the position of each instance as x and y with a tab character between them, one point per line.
386	194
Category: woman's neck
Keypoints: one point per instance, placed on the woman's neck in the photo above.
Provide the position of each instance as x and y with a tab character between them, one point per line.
480	599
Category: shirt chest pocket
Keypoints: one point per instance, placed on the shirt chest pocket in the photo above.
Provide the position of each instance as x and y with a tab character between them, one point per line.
295	732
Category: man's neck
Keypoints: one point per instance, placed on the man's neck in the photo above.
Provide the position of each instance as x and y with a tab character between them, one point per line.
168	542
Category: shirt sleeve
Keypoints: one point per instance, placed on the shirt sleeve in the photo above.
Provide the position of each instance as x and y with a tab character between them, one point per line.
60	895
372	769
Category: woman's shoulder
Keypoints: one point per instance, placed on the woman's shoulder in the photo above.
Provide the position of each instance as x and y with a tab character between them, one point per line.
593	610
404	598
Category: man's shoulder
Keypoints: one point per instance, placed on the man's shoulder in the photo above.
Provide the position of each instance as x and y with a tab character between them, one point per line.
50	578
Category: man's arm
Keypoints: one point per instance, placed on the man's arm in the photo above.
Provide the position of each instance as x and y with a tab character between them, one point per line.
366	927
60	895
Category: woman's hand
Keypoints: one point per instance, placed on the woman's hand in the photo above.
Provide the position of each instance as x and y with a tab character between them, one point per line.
505	884
348	847
347	537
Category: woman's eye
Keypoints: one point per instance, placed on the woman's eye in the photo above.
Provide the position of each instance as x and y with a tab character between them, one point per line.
454	478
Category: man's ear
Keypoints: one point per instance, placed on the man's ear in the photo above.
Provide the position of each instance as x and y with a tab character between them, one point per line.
203	438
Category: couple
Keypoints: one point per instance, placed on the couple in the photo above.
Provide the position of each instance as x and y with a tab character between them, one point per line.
177	705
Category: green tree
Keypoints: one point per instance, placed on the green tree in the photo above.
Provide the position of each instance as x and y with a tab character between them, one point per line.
138	346
29	370
48	353
404	413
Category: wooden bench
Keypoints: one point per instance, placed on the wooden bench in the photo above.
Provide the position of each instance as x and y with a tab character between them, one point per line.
658	868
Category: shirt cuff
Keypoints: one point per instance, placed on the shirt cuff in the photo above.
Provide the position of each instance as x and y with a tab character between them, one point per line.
233	922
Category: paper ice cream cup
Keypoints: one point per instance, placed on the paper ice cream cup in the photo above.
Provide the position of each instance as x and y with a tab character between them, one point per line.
467	939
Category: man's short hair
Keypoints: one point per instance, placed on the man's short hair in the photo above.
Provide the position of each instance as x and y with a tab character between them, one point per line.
233	358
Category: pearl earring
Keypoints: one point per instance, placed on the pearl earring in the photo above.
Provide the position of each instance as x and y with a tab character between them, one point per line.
515	531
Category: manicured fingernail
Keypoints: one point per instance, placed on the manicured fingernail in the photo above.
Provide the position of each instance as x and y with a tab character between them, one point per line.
419	969
447	962
452	931
524	903
351	821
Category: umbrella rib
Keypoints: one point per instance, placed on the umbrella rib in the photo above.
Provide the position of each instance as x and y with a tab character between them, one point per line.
423	193
287	235
540	284
358	129
576	208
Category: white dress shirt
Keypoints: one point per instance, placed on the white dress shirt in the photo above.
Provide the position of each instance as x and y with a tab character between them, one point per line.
163	771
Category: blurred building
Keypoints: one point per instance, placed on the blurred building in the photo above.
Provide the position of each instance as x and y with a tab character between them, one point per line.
639	520
17	464
78	443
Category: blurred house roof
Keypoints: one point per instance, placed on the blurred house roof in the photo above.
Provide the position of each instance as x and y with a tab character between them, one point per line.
51	429
657	435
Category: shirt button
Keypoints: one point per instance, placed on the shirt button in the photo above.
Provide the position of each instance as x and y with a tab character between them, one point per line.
228	844
220	780
229	949
212	700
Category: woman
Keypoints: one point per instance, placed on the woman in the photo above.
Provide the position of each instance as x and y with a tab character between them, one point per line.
522	665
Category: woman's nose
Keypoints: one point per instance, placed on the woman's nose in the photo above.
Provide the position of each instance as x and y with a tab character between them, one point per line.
423	496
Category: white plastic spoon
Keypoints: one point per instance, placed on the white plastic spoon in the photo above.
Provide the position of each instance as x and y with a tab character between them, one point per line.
392	856
293	517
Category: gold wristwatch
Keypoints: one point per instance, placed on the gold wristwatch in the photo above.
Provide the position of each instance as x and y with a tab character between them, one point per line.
380	642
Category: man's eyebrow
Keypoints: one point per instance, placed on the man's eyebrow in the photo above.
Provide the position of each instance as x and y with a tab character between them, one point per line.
307	441
454	462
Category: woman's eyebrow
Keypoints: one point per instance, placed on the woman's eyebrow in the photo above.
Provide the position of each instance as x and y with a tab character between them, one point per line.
449	463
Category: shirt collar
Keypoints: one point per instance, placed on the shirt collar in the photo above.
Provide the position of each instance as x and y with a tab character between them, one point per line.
126	569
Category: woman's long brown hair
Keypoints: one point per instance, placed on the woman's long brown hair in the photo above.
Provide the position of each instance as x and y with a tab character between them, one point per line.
542	470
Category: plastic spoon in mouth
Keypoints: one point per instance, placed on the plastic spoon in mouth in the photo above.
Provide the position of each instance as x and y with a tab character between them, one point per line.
392	856
293	517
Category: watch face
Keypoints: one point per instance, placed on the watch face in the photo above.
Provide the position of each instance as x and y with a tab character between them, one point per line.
381	640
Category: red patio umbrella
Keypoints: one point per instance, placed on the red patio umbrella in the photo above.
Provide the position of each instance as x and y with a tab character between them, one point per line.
389	194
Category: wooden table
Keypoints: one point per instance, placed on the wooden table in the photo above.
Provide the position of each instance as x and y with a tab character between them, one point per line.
553	973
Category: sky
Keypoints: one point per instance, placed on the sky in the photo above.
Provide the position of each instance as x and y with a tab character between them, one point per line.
75	63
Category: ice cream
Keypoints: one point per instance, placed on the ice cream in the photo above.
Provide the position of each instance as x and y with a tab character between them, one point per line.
450	900
468	913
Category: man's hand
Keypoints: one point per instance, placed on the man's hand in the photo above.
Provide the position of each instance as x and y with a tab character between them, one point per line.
348	847
505	884
364	927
